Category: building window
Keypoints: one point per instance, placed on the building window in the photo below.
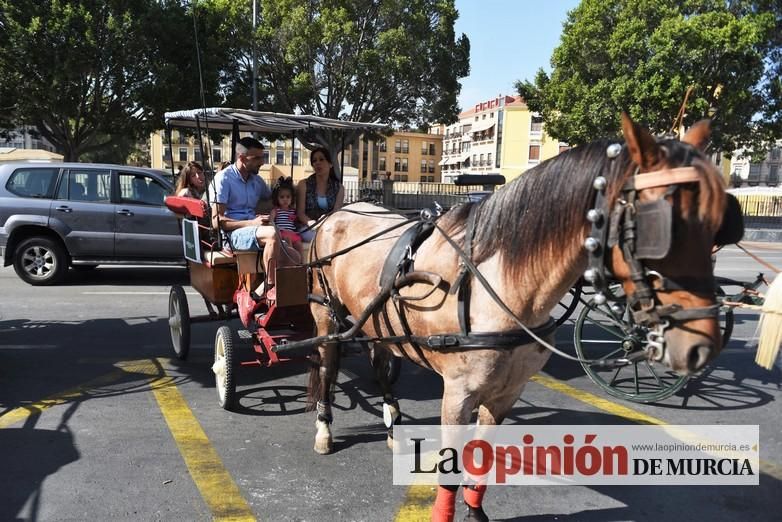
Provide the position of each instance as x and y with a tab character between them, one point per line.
432	149
280	159
381	164
423	166
398	146
381	145
488	159
404	164
296	157
775	153
534	152
431	166
404	177
481	162
182	153
266	156
424	148
537	124
773	175
167	154
198	156
182	139
474	159
217	156
397	165
405	146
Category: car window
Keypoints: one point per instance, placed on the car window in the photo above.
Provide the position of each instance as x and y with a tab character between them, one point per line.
32	182
87	185
141	189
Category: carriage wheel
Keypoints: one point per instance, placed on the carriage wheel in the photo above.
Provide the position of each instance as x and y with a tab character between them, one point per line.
608	332
726	318
179	321
223	368
568	304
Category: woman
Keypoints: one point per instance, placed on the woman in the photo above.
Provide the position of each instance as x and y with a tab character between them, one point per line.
191	182
320	193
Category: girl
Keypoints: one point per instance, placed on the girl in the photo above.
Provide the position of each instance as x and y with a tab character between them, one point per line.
191	182
284	215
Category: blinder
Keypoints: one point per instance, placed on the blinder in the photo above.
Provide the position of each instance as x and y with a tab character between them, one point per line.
654	222
732	229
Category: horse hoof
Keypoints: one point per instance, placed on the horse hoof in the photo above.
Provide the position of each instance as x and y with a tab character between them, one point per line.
475	515
323	441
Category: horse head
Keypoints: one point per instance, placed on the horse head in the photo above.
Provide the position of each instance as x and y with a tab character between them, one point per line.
661	223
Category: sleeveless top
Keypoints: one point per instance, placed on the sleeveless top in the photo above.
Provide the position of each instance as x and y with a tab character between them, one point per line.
311	207
285	219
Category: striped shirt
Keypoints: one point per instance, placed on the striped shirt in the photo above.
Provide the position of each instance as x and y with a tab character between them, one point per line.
285	219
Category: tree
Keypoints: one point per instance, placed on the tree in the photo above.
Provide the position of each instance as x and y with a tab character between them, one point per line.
90	75
385	61
642	55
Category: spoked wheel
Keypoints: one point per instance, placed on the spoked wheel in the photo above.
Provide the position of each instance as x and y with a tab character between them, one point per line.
223	368
568	304
607	332
179	321
390	364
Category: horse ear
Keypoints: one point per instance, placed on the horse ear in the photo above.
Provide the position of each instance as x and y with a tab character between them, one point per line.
643	148
698	135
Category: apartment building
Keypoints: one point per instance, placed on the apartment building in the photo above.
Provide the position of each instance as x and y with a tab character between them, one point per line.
403	156
745	172
25	138
497	136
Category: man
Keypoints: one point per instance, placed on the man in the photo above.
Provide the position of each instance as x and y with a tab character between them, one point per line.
237	192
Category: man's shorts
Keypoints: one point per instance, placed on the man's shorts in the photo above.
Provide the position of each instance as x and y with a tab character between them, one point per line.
244	239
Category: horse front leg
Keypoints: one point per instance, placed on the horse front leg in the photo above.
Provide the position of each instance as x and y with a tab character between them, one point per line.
456	409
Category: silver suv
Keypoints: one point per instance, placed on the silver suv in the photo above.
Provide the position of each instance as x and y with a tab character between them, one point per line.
57	215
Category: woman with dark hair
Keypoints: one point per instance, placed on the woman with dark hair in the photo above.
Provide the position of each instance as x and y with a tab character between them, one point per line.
320	193
191	182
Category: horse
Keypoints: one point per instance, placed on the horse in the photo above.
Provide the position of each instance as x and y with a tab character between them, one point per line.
516	253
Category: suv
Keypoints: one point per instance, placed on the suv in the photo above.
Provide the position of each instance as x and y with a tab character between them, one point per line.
57	215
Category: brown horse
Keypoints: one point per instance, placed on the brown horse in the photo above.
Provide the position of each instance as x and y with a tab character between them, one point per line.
528	242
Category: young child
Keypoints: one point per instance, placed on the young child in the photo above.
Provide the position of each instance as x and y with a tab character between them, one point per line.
284	215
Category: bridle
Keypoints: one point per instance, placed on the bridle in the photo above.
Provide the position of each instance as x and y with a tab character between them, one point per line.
643	230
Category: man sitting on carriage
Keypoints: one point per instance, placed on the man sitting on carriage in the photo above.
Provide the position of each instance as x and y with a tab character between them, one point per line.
237	192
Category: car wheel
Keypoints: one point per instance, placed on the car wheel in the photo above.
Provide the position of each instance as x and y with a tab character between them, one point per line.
40	261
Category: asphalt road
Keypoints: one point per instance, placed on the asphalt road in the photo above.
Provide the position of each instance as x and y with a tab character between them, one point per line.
98	422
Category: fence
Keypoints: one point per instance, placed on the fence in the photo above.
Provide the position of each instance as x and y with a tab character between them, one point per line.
761	211
406	196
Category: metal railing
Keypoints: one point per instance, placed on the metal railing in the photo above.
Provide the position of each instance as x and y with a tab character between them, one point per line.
761	211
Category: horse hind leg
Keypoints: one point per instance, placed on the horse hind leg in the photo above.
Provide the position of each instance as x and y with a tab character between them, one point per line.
381	360
323	371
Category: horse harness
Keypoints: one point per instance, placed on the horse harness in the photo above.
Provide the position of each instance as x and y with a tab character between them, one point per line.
399	272
622	225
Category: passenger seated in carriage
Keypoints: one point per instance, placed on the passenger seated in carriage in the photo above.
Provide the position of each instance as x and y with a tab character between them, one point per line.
284	214
191	182
237	192
320	193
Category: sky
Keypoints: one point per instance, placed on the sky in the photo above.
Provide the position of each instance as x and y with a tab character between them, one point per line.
509	40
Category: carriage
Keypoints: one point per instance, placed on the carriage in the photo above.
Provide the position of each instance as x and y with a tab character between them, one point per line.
220	275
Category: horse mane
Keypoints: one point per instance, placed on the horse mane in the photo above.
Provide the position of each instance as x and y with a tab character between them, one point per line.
531	219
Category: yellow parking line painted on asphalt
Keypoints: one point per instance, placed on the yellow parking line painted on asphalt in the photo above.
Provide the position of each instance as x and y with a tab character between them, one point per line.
217	488
219	491
418	501
24	412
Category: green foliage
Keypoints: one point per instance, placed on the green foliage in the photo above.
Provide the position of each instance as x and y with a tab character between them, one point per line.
641	56
89	74
388	61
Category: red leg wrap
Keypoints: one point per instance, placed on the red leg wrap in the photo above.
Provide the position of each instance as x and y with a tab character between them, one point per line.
444	509
473	495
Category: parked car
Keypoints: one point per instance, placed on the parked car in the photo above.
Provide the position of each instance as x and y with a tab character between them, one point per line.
59	215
